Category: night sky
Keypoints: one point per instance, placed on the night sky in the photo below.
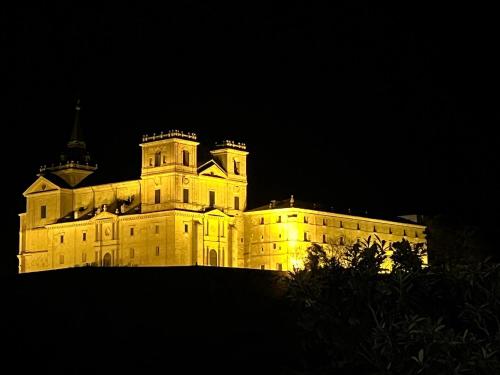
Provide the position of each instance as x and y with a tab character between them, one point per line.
387	108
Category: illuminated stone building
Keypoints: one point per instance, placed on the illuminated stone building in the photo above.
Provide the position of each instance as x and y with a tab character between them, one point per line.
179	212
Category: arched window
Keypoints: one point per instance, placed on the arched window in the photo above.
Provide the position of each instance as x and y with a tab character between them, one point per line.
212	256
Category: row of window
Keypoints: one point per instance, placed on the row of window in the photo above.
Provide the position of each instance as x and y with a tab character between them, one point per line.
341	225
185	198
158	159
131	254
279	267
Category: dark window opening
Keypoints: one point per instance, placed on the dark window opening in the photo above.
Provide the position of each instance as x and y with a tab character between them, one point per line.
186	228
157	159
236	167
62	238
157	196
212	198
84	236
185	158
43	212
236	203
279	266
185	196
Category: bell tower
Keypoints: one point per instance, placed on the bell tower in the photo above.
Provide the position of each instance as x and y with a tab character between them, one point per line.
74	161
173	151
232	156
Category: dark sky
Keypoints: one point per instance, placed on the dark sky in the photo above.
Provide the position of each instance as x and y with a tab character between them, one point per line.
390	108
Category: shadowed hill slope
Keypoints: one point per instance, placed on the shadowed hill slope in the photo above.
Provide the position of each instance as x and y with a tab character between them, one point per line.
88	320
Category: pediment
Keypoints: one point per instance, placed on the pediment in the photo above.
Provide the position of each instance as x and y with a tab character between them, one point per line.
41	185
212	169
216	212
103	215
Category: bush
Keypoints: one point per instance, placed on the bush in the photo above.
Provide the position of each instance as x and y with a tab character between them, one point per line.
409	321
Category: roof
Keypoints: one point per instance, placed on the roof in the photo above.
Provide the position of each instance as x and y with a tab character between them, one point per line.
285	203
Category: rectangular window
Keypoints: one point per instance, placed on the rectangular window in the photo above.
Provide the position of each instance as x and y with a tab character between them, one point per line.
131	231
62	238
84	236
185	158
43	212
324	238
306	236
61	259
157	250
279	219
261	220
325	222
274	246
236	167
262	266
186	228
132	252
150	162
306	219
236	203
212	198
279	266
157	229
157	159
84	257
157	196
185	195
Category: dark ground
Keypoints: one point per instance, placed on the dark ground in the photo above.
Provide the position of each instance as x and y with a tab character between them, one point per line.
145	320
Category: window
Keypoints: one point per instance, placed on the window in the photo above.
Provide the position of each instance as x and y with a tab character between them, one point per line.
186	228
279	266
132	252
274	246
404	232
185	195
341	225
62	238
306	236
84	236
157	250
61	259
416	234
325	222
236	167
211	198
279	219
164	159
279	235
357	226
43	212
150	162
306	219
131	231
262	266
157	159
157	196
157	229
84	257
374	228
185	158
261	220
324	238
262	249
236	203
390	230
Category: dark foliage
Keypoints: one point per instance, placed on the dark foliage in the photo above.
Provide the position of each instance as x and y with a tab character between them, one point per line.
409	321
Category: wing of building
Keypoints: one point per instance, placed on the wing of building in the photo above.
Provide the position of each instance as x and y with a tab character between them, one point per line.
176	213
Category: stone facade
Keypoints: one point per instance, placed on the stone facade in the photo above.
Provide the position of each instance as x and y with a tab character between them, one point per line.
176	213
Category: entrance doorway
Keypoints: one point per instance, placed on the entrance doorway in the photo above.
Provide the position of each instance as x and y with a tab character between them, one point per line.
213	258
106	261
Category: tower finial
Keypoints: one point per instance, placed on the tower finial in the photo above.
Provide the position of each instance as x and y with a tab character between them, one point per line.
292	201
76	139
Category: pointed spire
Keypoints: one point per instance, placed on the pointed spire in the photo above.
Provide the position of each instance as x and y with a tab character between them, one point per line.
76	139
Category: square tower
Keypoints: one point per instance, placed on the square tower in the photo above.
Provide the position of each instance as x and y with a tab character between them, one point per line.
232	157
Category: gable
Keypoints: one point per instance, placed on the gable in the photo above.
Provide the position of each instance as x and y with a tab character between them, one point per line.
41	185
216	212
212	169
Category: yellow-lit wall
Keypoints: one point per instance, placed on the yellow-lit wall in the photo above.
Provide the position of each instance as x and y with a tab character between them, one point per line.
92	225
277	237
